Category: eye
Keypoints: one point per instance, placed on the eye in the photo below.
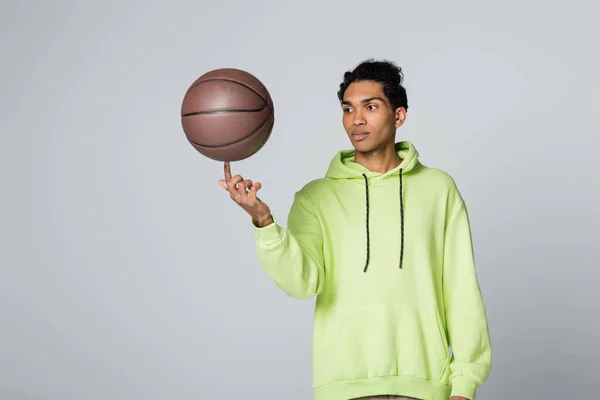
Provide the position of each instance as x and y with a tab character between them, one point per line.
347	110
371	107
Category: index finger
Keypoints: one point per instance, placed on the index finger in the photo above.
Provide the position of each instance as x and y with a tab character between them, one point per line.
227	171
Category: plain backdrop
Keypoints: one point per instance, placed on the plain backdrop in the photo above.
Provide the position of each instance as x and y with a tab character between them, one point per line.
126	272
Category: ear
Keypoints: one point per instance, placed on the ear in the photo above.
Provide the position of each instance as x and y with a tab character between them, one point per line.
400	116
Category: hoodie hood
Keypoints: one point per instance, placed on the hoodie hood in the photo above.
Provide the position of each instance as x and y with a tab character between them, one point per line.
343	165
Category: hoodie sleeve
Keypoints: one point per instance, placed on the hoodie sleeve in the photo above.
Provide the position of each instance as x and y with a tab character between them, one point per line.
466	319
293	257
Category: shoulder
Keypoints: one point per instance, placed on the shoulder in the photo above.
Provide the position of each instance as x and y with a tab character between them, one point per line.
437	177
440	184
313	189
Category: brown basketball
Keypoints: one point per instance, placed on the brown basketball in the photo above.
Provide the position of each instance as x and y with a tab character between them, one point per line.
227	114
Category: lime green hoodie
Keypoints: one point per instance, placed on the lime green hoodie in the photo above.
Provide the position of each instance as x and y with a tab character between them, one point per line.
390	258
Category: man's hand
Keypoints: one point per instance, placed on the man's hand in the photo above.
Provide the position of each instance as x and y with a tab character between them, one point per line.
244	193
458	398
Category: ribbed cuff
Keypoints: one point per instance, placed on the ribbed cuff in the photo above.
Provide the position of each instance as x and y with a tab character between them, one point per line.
268	235
464	386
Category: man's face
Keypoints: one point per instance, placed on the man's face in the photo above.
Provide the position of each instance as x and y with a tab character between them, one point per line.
368	116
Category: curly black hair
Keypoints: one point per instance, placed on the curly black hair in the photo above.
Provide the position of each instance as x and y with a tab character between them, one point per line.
385	72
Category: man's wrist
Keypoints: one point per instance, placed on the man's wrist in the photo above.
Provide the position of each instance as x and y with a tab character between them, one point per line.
261	222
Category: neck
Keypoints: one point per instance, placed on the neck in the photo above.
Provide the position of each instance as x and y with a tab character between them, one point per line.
379	160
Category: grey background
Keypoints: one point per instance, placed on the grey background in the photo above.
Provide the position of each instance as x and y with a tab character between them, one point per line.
128	273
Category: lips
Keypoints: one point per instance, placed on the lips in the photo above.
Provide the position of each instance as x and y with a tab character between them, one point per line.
359	135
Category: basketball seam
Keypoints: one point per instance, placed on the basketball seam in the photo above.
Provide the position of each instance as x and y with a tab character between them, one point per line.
235	141
225	111
267	136
239	83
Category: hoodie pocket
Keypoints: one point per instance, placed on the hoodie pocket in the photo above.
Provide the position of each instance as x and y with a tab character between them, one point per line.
388	340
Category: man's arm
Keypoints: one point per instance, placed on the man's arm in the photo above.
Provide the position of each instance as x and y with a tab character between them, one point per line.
293	257
466	319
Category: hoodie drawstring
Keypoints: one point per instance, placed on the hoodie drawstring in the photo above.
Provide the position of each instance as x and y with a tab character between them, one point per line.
368	238
401	221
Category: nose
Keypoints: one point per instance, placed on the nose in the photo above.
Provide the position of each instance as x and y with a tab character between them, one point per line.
359	119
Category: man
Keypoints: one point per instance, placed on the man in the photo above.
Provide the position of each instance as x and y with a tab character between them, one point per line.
384	242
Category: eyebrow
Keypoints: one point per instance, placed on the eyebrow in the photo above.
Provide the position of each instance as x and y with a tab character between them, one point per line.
370	99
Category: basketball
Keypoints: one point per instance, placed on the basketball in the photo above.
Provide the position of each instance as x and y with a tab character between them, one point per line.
227	114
